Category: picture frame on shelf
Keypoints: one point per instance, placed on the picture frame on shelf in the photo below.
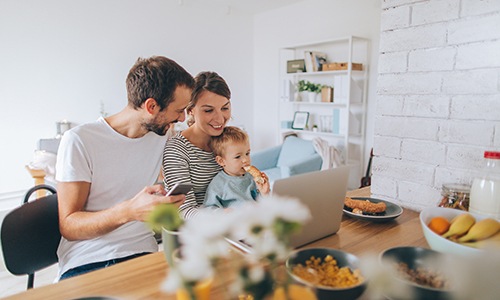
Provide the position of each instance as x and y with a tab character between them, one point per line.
295	66
300	119
318	60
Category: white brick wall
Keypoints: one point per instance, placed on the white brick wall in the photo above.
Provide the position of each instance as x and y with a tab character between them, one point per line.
393	62
411	38
479	7
474	29
471	107
479	55
427	106
390	105
412	83
389	146
438	105
395	17
479	81
429	152
437	59
434	11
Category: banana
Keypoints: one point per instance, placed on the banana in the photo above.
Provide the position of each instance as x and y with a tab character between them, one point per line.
489	243
481	230
460	225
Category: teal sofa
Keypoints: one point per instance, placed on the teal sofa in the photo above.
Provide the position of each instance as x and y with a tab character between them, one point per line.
295	156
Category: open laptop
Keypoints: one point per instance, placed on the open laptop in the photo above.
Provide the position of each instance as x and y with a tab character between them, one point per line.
323	192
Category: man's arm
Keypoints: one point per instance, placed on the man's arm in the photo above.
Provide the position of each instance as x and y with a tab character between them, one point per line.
77	224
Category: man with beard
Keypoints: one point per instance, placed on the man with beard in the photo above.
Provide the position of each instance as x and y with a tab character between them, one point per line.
106	171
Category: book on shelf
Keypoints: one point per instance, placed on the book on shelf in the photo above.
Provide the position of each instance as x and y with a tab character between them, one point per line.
308	60
336	128
287	90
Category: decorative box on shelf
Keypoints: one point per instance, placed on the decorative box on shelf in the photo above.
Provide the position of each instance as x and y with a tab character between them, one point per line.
326	94
342	66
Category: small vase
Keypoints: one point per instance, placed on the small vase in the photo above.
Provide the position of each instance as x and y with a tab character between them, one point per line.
312	96
170	241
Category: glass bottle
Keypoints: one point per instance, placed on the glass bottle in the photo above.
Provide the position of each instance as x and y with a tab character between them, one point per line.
485	190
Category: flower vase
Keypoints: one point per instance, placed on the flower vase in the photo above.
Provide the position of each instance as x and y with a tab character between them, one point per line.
170	241
198	291
201	291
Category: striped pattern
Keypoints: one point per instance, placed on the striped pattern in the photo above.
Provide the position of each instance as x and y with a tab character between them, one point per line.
183	162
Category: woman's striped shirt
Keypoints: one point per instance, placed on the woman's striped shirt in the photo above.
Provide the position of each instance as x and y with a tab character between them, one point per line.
183	162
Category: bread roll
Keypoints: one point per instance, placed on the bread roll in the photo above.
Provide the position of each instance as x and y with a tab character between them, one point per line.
364	206
256	174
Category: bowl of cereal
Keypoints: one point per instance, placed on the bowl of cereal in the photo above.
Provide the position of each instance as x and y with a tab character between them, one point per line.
418	273
330	273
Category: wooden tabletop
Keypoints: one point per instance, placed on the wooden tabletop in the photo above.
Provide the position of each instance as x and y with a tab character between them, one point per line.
141	277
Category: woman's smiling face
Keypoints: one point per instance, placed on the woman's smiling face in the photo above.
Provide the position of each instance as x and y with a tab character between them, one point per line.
211	113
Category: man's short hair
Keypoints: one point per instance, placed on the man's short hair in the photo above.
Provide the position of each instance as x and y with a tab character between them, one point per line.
156	77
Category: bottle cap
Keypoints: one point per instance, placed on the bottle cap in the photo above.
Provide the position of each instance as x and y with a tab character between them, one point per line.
492	154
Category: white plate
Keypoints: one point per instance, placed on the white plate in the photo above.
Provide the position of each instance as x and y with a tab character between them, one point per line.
392	211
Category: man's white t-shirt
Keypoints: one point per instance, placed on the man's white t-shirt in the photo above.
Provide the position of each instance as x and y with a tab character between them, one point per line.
118	168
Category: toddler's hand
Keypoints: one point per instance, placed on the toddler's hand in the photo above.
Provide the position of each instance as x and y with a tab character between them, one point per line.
264	187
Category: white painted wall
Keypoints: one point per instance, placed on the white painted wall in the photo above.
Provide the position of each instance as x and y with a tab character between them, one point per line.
438	105
302	23
59	59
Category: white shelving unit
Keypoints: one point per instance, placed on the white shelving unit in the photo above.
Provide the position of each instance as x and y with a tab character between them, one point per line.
341	122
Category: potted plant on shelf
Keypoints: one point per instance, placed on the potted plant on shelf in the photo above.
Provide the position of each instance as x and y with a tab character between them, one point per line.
312	89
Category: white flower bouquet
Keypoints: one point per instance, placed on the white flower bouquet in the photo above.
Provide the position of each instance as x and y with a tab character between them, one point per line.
267	224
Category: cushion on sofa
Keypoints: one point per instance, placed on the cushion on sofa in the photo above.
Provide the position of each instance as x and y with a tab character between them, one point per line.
291	146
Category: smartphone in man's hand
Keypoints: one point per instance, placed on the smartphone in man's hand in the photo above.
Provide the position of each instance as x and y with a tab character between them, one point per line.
180	188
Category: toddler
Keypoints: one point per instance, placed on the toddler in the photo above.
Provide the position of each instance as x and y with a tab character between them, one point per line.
233	185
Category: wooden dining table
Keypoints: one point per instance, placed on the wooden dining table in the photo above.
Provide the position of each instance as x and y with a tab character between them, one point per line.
141	278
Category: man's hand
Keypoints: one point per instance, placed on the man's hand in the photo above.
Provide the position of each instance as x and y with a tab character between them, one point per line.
145	201
77	224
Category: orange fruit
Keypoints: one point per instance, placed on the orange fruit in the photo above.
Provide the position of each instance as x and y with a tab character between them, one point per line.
439	225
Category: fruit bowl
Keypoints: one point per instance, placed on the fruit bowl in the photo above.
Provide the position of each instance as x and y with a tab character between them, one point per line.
439	243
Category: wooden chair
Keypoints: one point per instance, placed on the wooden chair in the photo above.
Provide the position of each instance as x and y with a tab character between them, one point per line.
39	177
30	235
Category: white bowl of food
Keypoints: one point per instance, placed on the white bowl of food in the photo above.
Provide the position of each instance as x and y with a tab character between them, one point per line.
438	242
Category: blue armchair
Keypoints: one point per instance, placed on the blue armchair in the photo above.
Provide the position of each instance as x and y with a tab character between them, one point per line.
294	156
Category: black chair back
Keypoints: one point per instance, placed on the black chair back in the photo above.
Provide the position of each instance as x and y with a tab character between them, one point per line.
30	235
